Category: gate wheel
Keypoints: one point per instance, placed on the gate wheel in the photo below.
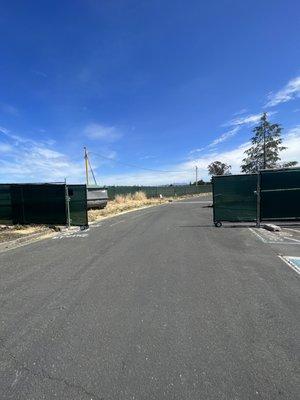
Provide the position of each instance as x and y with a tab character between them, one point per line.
218	224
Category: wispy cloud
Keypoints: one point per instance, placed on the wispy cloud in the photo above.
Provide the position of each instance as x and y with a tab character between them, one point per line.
40	73
222	138
240	112
289	92
5	148
146	157
249	119
9	109
101	132
225	136
4	130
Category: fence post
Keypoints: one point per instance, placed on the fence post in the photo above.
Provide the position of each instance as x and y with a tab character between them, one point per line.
67	205
258	195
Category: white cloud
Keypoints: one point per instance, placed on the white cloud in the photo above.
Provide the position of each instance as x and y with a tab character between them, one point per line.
102	132
4	130
289	92
224	137
5	148
198	150
242	111
292	141
26	160
248	119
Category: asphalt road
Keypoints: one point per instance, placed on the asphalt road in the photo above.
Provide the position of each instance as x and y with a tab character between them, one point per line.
155	304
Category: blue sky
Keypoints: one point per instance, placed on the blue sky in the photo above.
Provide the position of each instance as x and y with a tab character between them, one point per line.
164	85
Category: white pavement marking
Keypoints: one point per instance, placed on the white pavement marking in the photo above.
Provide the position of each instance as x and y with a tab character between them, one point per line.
294	230
288	261
256	234
275	240
296	240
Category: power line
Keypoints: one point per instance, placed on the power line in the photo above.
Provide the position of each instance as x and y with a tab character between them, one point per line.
92	172
138	167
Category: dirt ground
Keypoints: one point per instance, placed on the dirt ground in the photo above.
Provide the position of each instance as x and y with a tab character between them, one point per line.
8	233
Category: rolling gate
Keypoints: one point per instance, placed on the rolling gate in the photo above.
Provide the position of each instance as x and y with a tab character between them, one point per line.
270	195
49	204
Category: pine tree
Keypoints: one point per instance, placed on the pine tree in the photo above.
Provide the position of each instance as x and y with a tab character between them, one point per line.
265	149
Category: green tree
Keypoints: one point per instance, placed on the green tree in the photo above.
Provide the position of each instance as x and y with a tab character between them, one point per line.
265	148
218	168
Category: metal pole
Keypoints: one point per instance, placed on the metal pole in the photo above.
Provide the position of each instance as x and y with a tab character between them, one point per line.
86	167
258	200
196	175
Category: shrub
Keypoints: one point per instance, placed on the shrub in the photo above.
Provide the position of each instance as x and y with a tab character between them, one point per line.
141	196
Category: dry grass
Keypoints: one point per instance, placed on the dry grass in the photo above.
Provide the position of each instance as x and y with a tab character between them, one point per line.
124	203
12	232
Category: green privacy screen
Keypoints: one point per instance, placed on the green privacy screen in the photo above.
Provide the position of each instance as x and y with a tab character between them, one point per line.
6	217
280	194
155	191
38	204
234	198
42	204
78	204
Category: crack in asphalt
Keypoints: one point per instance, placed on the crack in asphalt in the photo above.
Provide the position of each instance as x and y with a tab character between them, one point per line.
42	374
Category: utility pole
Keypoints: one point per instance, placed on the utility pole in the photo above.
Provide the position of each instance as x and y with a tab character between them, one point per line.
196	170
86	161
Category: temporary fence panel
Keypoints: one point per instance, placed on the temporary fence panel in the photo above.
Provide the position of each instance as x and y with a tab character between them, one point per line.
78	205
5	205
42	204
234	198
280	194
38	204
